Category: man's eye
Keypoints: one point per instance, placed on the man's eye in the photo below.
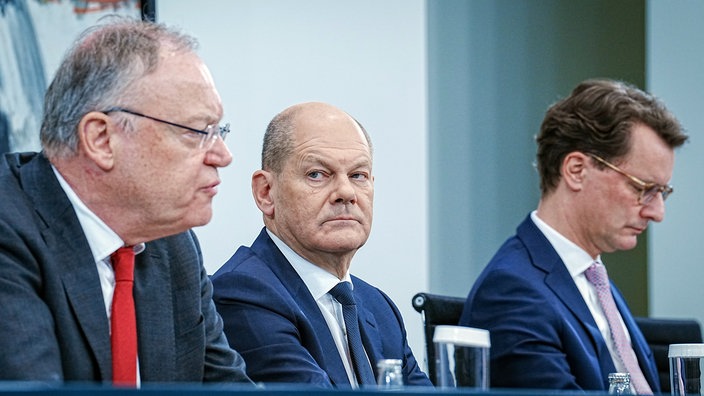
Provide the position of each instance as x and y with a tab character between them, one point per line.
193	134
315	175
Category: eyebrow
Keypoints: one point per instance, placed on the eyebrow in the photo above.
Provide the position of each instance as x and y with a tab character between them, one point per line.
312	159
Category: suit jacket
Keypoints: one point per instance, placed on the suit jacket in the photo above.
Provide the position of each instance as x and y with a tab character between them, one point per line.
54	325
542	332
273	320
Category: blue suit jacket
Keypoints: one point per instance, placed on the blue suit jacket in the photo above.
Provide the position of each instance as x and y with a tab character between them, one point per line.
272	319
54	326
542	332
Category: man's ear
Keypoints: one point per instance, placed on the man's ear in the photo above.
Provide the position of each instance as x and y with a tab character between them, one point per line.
574	169
94	133
262	186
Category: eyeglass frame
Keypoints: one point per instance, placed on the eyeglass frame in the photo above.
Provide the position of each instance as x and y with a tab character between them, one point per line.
665	190
209	137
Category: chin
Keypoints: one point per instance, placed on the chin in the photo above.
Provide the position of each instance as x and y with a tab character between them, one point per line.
340	241
200	218
628	245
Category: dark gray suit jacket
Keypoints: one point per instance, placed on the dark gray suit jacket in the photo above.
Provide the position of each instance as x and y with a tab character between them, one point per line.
53	321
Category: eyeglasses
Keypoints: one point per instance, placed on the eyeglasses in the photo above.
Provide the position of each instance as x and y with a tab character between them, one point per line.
209	135
647	191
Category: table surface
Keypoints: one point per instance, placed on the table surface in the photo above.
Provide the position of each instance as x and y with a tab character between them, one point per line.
36	389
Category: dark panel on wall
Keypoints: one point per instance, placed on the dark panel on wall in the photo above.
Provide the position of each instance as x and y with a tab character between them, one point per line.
148	10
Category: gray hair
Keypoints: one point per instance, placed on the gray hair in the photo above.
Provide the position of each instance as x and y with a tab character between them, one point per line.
98	72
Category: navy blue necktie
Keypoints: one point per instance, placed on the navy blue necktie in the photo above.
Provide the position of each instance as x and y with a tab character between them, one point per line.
343	294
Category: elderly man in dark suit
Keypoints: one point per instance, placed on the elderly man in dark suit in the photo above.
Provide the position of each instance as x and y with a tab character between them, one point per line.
116	176
287	300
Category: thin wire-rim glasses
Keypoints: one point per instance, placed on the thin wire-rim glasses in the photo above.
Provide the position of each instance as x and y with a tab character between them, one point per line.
647	190
210	133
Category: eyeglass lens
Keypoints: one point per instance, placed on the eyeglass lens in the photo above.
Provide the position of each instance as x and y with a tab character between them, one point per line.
214	132
649	194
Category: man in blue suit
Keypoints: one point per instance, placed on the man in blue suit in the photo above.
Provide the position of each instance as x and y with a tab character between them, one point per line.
114	176
605	156
315	191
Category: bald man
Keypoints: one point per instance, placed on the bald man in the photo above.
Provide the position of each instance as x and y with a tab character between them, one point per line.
279	298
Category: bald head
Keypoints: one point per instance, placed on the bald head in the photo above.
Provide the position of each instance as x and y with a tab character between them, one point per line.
281	134
316	188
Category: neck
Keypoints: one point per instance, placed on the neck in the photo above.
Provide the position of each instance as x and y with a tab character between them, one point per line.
560	214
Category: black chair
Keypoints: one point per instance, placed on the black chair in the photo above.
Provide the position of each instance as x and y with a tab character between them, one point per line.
660	333
436	310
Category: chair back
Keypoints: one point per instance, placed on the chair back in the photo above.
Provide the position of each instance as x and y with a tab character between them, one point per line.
436	309
660	333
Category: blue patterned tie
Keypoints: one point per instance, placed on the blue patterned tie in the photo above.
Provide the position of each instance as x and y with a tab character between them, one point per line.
343	294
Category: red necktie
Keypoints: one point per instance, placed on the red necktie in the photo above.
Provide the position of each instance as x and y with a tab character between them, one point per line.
123	324
596	274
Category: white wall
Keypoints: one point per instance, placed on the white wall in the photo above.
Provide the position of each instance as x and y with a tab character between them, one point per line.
364	56
675	64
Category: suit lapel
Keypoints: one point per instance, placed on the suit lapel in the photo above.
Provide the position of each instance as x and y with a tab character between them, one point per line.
327	357
68	246
370	333
559	280
643	352
155	319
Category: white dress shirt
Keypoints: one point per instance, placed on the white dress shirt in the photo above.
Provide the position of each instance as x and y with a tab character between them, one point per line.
577	261
319	282
103	242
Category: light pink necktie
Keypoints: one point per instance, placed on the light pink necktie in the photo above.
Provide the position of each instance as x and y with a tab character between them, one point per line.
596	274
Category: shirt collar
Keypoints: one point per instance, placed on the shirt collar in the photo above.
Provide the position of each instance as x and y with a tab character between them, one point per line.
318	280
103	241
576	259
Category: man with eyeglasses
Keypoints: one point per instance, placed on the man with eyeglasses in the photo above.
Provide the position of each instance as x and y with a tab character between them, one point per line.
605	157
101	277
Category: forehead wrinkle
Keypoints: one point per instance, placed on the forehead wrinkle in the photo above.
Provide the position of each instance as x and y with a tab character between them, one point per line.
326	142
328	161
203	106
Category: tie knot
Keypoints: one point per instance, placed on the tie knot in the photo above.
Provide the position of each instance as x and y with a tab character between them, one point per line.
343	293
123	263
596	274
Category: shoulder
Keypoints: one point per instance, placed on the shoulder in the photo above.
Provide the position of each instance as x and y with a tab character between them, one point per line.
249	277
512	271
517	272
371	296
178	256
244	263
258	259
362	288
11	162
13	183
523	255
179	247
33	204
